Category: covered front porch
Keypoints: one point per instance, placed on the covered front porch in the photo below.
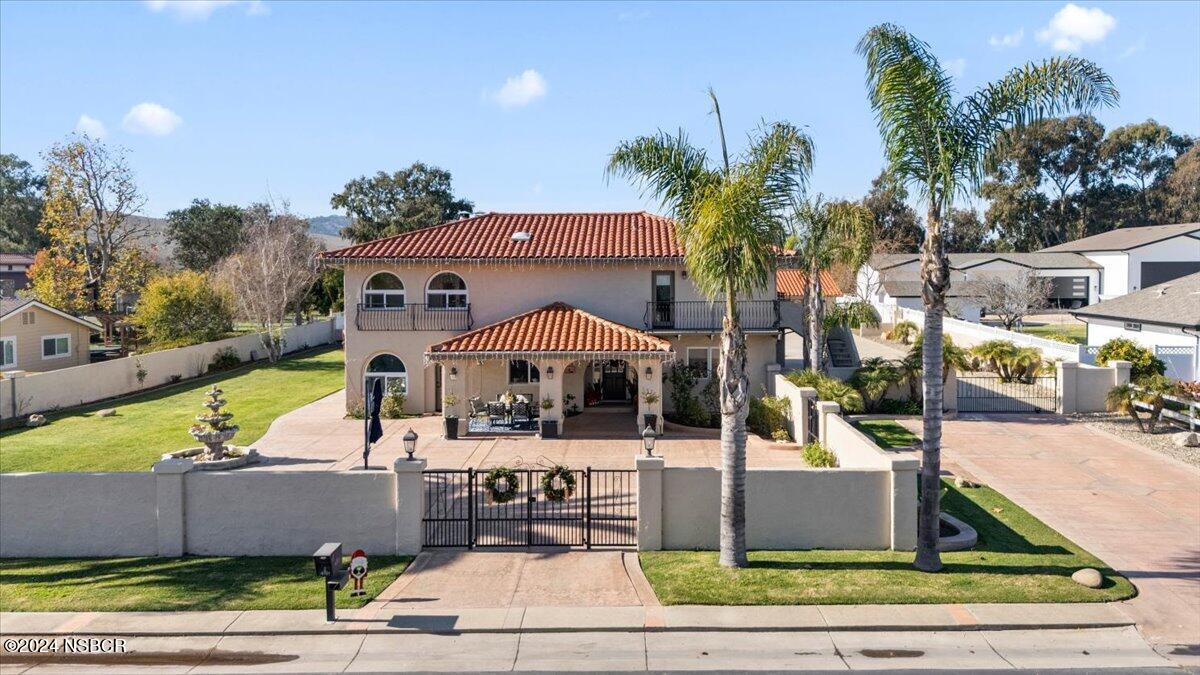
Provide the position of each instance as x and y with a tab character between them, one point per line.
553	371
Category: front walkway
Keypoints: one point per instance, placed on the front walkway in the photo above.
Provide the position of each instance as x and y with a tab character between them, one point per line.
1135	509
317	437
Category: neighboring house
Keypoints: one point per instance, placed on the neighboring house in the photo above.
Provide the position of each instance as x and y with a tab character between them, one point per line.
587	305
1165	318
895	279
14	273
37	337
1134	258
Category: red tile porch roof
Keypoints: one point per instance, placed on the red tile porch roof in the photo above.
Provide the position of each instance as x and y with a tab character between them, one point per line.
551	236
555	328
789	283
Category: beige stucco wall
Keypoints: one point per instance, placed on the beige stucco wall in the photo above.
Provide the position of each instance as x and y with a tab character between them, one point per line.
496	292
78	514
29	340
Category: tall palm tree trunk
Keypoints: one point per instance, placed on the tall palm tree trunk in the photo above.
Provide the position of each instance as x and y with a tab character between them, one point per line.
816	322
733	400
935	278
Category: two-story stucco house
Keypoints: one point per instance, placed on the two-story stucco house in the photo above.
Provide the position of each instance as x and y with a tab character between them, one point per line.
582	307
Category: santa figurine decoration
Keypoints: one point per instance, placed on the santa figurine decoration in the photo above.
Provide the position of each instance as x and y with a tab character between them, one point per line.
358	571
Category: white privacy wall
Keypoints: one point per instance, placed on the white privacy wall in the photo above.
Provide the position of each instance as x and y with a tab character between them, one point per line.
174	511
23	394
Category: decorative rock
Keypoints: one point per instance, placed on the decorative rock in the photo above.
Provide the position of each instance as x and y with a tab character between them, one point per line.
1186	439
35	421
1088	577
961	482
107	412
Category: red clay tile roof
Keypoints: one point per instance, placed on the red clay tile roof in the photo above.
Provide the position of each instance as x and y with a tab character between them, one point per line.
557	327
553	236
789	283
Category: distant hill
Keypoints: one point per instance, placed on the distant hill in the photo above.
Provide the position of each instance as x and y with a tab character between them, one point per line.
330	225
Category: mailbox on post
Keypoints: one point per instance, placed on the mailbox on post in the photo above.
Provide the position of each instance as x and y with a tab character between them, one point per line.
328	563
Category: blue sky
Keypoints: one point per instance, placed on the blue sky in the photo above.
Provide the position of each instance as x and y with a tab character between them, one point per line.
522	102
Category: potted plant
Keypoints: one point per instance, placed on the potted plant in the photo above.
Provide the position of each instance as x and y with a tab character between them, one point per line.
651	419
450	404
549	427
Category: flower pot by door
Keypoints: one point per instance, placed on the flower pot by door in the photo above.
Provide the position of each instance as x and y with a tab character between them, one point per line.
550	429
452	427
650	420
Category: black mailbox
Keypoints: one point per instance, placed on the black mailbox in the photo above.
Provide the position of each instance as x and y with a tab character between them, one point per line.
328	560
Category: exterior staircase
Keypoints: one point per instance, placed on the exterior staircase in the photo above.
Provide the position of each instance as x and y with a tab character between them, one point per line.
841	355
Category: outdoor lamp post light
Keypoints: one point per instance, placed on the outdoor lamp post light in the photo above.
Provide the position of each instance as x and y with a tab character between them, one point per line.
410	443
648	438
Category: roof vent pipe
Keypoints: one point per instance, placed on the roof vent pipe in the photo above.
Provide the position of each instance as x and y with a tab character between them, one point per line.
521	236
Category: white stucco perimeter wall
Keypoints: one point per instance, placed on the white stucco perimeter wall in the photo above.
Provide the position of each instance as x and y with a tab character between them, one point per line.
77	514
176	511
67	387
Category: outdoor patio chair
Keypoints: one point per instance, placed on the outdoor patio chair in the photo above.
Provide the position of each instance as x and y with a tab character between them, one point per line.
496	413
522	410
477	407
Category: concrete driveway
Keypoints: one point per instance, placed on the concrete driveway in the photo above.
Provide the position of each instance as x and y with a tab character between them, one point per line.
317	437
1137	510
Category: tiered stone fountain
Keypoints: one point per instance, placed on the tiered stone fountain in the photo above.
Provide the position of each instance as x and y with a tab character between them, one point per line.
214	431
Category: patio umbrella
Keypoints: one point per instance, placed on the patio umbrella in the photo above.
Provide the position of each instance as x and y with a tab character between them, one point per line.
374	427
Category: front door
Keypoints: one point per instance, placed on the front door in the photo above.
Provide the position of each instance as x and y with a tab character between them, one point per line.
613	381
664	300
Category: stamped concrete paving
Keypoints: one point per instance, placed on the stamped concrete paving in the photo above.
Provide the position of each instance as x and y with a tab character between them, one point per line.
1137	510
316	437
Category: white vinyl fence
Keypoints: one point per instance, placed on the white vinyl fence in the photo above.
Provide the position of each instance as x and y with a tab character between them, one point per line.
26	393
969	334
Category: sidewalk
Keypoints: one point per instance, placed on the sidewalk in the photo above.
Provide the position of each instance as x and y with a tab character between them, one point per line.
682	618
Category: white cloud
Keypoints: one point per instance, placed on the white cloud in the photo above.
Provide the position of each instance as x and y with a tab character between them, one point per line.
90	126
151	119
1007	40
521	90
1074	26
199	10
956	67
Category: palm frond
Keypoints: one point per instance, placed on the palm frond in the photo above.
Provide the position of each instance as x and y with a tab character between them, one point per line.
665	166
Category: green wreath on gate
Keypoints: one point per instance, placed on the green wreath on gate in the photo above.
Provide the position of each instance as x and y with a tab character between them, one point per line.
560	493
491	483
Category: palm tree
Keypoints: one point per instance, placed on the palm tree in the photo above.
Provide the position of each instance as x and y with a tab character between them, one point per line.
1153	391
903	332
1119	399
873	379
940	147
729	220
825	234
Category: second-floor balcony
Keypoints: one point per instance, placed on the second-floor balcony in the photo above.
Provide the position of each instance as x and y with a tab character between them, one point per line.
704	316
413	317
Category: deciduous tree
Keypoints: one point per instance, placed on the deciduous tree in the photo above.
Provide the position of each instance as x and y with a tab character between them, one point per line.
1011	298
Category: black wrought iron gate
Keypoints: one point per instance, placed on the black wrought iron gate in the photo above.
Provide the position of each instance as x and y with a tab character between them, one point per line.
990	393
460	511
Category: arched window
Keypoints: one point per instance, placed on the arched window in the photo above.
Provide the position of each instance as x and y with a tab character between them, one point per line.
391	370
446	291
384	291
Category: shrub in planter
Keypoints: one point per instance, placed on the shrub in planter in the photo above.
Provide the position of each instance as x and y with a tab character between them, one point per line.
450	405
768	417
687	408
392	407
1123	349
828	389
819	457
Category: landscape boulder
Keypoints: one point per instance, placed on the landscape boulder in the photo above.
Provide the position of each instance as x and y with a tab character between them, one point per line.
1187	439
1088	577
106	412
35	421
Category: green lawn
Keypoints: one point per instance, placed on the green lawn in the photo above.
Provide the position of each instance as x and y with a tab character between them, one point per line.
1076	332
887	433
1018	559
176	584
150	424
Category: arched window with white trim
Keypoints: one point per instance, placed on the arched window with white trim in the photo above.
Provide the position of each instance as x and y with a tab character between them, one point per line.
384	290
446	290
391	370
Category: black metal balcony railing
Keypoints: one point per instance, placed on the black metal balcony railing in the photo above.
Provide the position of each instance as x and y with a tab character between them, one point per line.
701	315
412	317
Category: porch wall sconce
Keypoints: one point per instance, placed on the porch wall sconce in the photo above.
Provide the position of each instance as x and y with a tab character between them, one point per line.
649	371
549	372
453	373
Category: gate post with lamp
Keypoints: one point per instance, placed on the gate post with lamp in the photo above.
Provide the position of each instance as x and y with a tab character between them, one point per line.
649	495
410	498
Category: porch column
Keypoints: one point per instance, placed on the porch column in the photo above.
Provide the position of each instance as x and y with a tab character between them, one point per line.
550	386
649	381
454	388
